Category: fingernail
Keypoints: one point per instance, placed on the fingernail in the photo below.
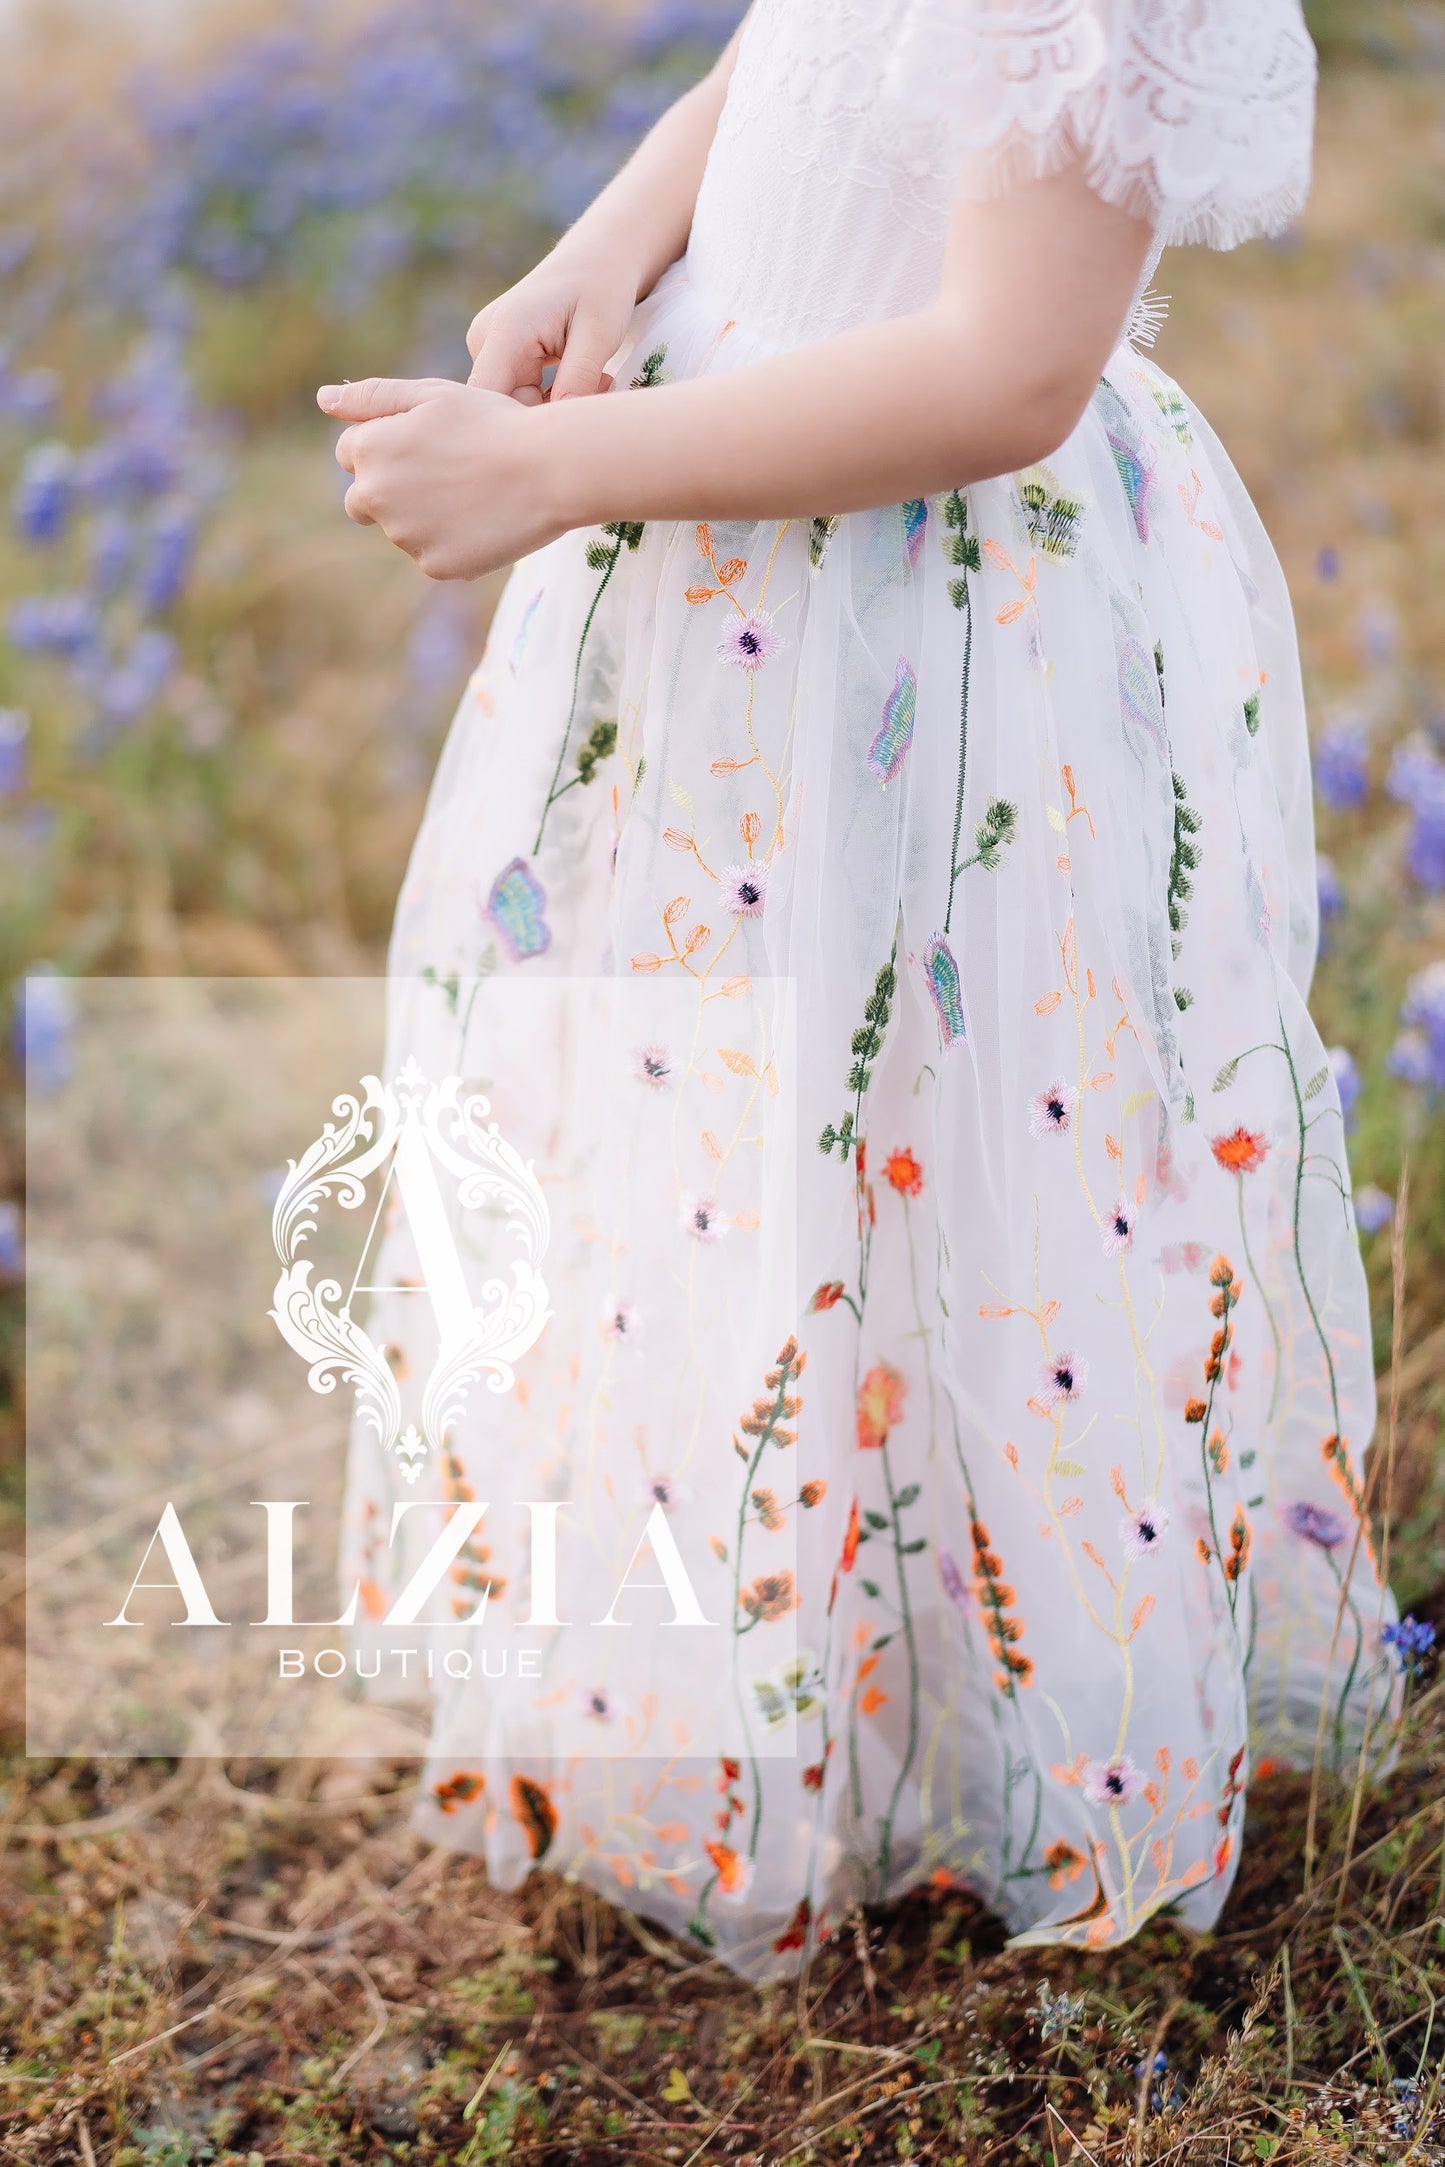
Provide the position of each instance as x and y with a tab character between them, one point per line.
327	397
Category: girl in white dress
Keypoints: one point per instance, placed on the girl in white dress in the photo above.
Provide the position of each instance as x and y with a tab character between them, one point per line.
1008	781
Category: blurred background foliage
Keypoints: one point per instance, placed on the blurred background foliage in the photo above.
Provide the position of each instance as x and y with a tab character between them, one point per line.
219	707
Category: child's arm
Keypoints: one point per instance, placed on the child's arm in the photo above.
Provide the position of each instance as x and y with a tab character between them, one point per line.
575	306
992	376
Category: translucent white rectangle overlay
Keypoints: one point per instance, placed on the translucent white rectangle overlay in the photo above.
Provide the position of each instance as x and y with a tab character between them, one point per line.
409	1368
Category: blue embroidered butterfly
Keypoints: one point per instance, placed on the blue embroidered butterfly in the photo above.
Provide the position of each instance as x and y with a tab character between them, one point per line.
889	749
515	907
941	972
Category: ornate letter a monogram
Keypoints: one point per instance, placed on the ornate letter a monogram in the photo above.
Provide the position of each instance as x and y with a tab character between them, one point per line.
427	1126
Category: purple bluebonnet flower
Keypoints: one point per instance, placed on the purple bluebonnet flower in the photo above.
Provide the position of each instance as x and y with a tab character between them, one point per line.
14	735
138	681
1373	1208
53	624
1331	893
1347	1081
43	1025
1412	1640
44	493
1316	1524
12	1246
1328	563
112	540
1377	632
1342	766
1416	778
168	558
1418	1054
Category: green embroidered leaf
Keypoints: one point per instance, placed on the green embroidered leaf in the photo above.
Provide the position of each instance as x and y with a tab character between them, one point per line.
680	796
1251	714
1056	819
878	1520
910	1549
1225	1076
1069	1469
908	1496
870	1589
1136	1102
1316	1083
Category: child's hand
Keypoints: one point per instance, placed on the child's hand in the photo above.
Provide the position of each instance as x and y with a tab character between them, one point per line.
573	310
452	474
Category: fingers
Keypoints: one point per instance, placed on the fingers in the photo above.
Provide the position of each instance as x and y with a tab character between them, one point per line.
580	371
378	395
507	360
355	503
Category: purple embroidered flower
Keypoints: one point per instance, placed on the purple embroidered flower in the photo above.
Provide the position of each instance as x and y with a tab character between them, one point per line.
1373	1209
654	1066
955	1587
1118	1228
596	1705
889	748
745	890
699	1217
749	641
1111	1783
621	1322
1052	1112
1063	1377
1143	1531
1316	1524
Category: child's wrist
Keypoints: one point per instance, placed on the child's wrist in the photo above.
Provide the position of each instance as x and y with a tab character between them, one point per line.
563	472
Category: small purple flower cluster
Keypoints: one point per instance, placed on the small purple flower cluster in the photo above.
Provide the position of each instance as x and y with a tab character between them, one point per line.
1412	1640
1418	1054
1416	778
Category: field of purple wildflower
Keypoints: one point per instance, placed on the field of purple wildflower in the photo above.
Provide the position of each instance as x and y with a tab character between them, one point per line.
218	712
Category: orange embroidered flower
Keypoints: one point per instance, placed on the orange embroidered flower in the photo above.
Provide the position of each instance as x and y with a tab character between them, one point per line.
1238	1556
828	1296
1065	1864
733	1870
536	1814
812	1493
459	1790
795	1933
1242	1151
996	1599
768	1510
850	1538
904	1172
1194	1410
771	1596
880	1404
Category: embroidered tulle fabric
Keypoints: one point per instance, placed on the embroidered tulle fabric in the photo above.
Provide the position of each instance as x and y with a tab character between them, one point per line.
972	838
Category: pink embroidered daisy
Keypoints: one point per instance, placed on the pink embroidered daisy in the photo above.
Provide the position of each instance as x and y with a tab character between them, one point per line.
1118	1228
745	890
1051	1113
654	1066
750	641
1063	1378
1143	1532
621	1322
1111	1783
700	1217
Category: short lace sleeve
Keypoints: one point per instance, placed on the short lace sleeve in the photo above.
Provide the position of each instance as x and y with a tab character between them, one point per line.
1197	114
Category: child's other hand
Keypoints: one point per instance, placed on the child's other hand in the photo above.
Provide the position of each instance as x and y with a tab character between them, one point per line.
451	474
573	310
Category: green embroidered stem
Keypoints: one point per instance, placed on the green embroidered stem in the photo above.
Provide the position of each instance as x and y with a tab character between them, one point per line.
963	551
897	1502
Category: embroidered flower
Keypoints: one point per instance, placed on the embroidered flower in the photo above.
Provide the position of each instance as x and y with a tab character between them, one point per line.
749	641
880	1405
664	1490
1118	1228
1052	1112
904	1172
745	890
596	1705
1063	1378
1065	1864
1111	1783
827	1296
621	1322
654	1066
852	1535
771	1596
734	1872
1242	1151
699	1216
812	1493
1143	1531
1316	1524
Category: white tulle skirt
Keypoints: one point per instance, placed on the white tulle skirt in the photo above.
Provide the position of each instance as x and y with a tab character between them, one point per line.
981	1298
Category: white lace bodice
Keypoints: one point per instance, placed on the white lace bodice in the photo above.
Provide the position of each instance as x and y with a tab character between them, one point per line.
851	125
